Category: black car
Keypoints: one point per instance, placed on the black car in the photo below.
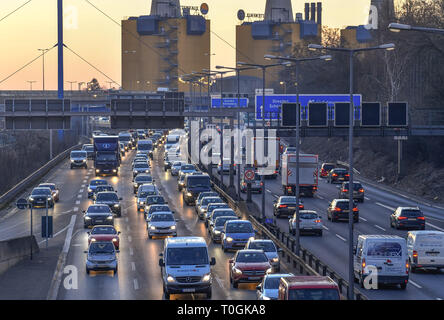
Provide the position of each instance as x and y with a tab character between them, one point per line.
338	175
111	199
140	179
408	218
195	184
358	191
286	206
97	214
39	196
339	210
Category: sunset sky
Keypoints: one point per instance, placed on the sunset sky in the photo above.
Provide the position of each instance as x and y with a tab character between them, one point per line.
98	39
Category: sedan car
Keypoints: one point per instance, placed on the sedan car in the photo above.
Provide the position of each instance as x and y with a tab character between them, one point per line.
201	209
338	175
286	206
54	190
155	199
140	179
408	218
358	191
98	214
111	199
89	148
217	226
104	233
187	168
93	185
140	167
309	222
248	266
205	194
181	182
269	249
268	289
40	196
339	210
161	224
101	256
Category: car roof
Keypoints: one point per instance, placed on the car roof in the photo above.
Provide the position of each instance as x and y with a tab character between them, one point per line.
106	192
46	184
180	242
250	251
380	236
308	211
239	221
98	180
409	208
98	205
295	281
41	188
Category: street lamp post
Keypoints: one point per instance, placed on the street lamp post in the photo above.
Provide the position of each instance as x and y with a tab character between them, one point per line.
297	62
44	51
397	27
351	53
264	68
71	83
30	83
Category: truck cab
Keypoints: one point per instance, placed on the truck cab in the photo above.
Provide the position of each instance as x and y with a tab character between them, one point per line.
107	155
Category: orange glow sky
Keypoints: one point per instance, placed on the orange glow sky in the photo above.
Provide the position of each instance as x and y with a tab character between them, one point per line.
97	38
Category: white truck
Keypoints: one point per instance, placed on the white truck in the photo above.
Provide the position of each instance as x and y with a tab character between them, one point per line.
308	174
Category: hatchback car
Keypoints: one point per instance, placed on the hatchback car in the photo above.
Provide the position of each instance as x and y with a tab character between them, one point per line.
269	249
408	218
309	222
213	206
187	168
104	233
102	189
236	234
205	194
54	190
155	199
249	266
181	182
338	175
101	256
149	210
98	214
144	191
40	196
358	191
175	167
286	206
202	208
339	210
161	224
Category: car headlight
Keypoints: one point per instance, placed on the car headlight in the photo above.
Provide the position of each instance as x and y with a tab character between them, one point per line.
141	203
87	218
49	198
31	199
275	260
84	160
72	160
189	194
237	271
147	171
216	232
116	205
153	228
173	227
269	270
97	170
136	185
109	218
206	277
229	239
265	298
93	240
170	279
115	240
251	238
89	190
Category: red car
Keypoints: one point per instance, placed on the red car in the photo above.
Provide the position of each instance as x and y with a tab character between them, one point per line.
325	169
104	233
249	266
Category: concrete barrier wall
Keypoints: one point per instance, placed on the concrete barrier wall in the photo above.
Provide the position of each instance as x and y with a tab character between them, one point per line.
13	251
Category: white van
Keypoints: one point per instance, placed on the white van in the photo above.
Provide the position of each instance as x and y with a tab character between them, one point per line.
425	249
186	267
385	254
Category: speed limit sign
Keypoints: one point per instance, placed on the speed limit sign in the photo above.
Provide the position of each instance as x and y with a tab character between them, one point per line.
249	175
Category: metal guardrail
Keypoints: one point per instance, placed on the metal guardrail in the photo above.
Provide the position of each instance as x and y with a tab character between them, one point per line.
7	197
306	263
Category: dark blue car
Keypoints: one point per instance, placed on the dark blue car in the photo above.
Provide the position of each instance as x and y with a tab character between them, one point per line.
236	234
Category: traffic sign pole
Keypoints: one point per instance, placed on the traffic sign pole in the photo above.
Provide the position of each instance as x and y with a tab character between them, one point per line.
30	212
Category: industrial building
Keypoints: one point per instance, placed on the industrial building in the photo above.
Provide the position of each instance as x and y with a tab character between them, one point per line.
158	48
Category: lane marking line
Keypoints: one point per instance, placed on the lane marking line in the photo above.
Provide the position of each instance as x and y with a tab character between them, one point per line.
79	196
385	206
380	228
366	198
343	239
325	228
130	238
83	186
131	251
76	209
77	201
415	284
81	191
363	219
133	266
136	284
433	226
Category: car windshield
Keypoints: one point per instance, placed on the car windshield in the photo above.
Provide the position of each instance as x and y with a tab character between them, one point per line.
206	201
267	246
103	230
144	179
272	283
41	191
98	182
98	209
78	154
158	208
288	200
140	165
411	213
151	200
308	215
239	228
101	248
223	213
145	147
187	256
88	148
198	182
208	194
328	167
214	206
125	138
313	294
344	205
187	167
50	186
106	156
251	257
356	186
220	221
384	249
107	196
162	217
340	171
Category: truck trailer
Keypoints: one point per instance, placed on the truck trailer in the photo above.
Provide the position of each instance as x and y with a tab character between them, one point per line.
308	174
107	155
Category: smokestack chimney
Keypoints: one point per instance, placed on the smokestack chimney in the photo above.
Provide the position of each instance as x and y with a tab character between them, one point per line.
307	11
298	17
170	9
313	11
319	17
279	11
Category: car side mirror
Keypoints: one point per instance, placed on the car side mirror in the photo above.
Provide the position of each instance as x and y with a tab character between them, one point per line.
230	260
119	232
117	251
88	233
280	250
259	287
86	251
120	199
177	220
213	261
161	263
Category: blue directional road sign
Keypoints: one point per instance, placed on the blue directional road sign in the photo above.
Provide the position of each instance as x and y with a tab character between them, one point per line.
229	102
273	102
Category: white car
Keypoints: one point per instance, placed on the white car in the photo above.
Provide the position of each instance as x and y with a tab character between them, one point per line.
309	222
269	249
161	224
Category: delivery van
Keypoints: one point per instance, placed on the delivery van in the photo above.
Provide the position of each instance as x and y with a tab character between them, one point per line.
425	249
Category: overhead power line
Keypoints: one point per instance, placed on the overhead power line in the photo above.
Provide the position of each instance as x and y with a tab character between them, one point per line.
15	10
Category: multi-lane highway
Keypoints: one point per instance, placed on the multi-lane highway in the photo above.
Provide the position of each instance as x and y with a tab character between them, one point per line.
332	247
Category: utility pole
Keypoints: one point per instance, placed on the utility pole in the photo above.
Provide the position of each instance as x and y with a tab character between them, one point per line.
44	51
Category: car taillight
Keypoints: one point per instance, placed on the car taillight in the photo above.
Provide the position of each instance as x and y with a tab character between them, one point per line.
344	190
361	190
283	206
318	221
421	218
415	254
355	209
301	206
338	209
347	175
262	184
402	218
363	264
407	266
334	175
315	188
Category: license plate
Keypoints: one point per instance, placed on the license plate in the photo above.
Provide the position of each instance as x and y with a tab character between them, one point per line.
100	221
189	290
254	278
341	178
433	254
292	208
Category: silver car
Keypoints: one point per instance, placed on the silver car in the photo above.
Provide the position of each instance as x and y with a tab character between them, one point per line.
310	222
203	205
269	249
144	191
161	224
140	167
268	289
101	256
175	167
